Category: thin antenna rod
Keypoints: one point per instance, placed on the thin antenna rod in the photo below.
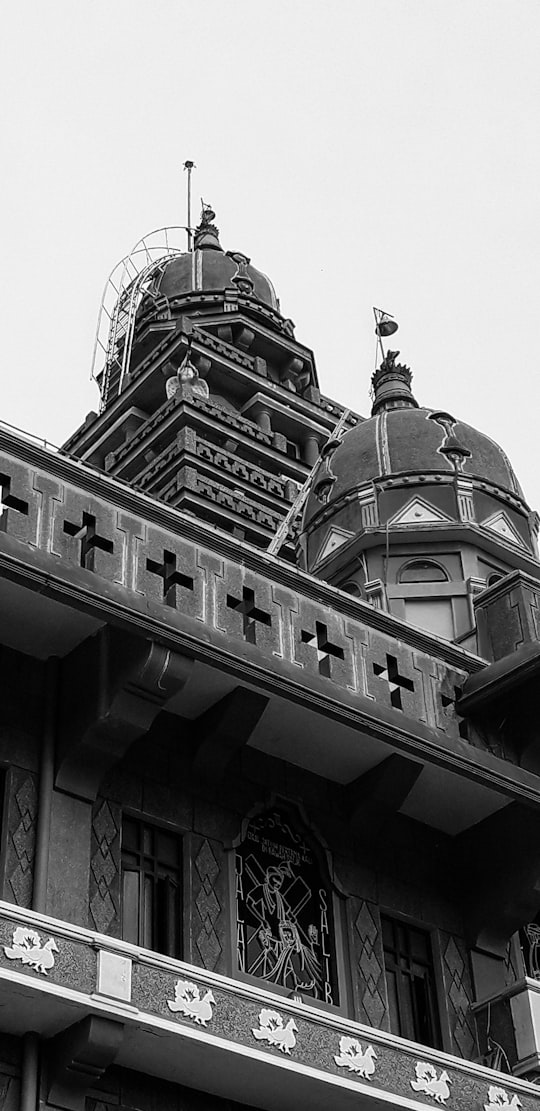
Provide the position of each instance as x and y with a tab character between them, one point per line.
385	325
189	166
378	342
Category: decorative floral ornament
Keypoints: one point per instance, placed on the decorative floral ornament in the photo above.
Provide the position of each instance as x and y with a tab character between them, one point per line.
188	1000
352	1057
27	947
438	1087
497	1098
272	1030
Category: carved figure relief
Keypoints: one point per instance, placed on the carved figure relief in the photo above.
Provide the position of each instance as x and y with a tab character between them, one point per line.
188	1000
497	1098
272	1030
284	915
428	1082
27	947
355	1059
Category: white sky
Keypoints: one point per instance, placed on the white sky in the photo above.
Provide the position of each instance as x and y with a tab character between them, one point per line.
360	151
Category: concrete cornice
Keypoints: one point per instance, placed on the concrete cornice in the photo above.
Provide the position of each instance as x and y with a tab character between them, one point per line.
142	506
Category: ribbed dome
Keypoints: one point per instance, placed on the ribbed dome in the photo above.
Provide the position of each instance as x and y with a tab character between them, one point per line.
409	441
407	468
211	269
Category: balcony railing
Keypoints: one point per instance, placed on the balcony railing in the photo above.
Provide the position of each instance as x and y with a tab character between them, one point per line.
182	1023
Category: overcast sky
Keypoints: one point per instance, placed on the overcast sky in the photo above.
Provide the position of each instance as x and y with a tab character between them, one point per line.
362	152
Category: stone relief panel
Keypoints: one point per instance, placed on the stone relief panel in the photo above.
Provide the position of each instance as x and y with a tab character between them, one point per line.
21	836
105	868
368	965
206	935
459	996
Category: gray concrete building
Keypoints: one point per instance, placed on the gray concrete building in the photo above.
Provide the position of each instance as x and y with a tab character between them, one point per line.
270	822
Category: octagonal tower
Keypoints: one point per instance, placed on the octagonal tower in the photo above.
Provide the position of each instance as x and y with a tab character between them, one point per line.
416	511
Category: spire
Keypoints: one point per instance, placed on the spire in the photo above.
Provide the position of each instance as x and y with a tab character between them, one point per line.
206	234
391	384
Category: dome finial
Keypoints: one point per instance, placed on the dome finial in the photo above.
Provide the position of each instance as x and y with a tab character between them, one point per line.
392	386
206	234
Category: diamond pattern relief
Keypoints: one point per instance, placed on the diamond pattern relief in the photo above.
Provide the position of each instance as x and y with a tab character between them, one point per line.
514	968
369	961
459	995
22	813
208	906
105	868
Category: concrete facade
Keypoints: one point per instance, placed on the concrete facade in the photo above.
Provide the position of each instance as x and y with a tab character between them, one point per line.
163	674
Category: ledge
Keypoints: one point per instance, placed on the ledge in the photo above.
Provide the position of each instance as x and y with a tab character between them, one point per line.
121	495
208	1041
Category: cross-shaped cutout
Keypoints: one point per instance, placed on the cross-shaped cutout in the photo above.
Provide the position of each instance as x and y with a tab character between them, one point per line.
9	501
170	575
251	614
448	701
324	648
89	538
396	682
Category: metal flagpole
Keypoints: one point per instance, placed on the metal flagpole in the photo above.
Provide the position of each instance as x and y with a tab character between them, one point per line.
385	325
189	166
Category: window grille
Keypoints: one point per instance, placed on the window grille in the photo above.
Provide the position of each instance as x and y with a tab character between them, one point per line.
151	887
410	982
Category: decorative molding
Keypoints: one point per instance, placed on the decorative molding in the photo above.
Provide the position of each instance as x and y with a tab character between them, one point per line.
498	1098
105	867
460	997
432	1084
21	837
418	511
28	947
78	1057
205	900
501	524
355	1059
368	958
231	500
273	1030
49	496
334	539
189	1001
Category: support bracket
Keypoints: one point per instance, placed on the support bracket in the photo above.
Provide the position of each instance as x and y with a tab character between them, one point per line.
114	686
77	1059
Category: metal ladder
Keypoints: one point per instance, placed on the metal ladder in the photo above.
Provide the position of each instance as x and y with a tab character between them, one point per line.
284	528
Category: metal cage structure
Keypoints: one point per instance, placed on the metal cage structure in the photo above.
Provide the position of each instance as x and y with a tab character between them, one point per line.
131	279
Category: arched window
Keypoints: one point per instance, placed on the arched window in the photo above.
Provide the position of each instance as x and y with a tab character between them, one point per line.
495	577
352	587
284	908
422	571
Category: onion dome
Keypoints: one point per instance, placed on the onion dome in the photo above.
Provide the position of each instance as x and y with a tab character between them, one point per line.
415	472
211	269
